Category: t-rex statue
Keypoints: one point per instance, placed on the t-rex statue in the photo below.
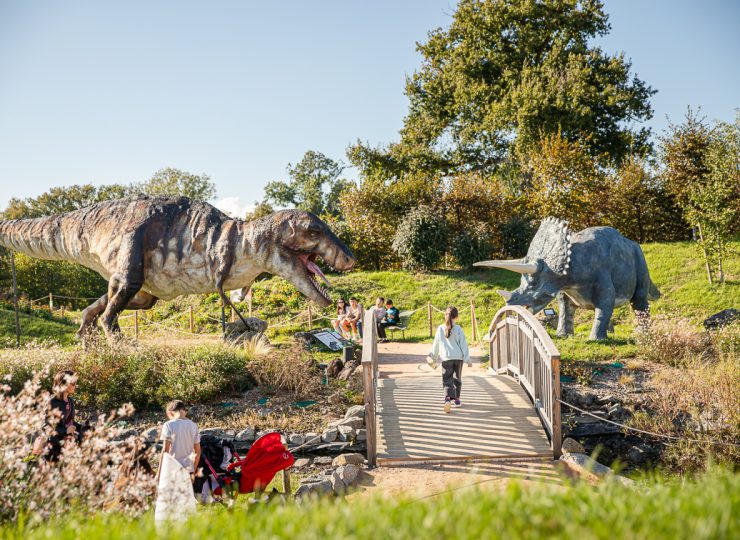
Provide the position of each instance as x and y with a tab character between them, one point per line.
596	268
151	248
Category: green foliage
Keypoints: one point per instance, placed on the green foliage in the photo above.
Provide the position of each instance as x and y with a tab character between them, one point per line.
176	183
146	375
505	73
38	327
516	234
701	509
375	209
315	185
421	239
261	209
472	245
640	206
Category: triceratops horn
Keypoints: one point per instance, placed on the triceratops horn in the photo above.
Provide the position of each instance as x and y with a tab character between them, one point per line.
505	294
515	265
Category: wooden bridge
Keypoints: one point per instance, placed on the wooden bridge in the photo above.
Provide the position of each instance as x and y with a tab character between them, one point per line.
510	409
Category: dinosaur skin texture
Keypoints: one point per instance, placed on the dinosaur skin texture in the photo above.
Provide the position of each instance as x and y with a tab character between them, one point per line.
151	248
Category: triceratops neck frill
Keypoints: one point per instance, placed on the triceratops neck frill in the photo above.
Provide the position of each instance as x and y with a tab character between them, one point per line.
552	245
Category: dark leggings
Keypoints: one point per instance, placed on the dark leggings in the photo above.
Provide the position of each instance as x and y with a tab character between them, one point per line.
452	378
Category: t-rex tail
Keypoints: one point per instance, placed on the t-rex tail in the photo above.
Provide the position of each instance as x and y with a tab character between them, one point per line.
41	238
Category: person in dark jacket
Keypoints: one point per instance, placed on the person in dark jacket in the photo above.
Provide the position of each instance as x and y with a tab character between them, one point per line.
62	411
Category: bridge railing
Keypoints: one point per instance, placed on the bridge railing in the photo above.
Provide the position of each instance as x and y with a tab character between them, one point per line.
521	346
369	382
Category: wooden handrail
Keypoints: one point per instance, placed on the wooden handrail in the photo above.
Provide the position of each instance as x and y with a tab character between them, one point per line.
521	346
369	382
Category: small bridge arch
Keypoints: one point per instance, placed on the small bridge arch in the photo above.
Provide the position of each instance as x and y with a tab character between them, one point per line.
510	411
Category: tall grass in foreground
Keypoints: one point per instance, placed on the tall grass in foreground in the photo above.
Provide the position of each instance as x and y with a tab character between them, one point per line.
702	509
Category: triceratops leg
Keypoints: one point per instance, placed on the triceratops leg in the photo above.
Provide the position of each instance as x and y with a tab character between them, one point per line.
567	309
604	304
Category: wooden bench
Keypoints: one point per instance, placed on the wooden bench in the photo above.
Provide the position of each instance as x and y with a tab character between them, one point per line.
403	324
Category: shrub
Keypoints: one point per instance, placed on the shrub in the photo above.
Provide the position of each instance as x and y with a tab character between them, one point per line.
516	234
291	369
421	239
472	245
93	475
672	341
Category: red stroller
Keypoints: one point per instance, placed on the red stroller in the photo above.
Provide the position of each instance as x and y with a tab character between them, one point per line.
265	459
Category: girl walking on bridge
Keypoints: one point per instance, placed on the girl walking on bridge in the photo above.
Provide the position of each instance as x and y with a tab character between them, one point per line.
451	347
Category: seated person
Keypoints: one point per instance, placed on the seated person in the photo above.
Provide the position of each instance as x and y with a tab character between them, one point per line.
380	317
342	313
392	317
354	316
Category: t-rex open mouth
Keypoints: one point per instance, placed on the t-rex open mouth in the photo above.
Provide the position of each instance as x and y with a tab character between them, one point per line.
313	270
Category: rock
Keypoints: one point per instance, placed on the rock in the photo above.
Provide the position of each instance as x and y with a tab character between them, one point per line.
296	439
586	466
318	488
334	368
639	455
322	460
361	435
572	446
264	432
337	484
355	411
344	459
300	463
253	325
721	319
125	434
346	433
219	433
330	435
262	413
245	435
151	435
348	473
616	410
312	438
349	369
355	422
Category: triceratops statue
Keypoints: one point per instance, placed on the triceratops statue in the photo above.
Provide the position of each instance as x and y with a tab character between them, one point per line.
596	268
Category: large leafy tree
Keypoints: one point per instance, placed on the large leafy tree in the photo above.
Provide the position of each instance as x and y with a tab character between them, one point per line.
315	185
507	72
175	182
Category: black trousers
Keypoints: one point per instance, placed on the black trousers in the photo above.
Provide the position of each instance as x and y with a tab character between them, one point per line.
382	326
452	378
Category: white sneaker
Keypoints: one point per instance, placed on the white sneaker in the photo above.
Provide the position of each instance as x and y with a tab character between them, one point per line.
431	363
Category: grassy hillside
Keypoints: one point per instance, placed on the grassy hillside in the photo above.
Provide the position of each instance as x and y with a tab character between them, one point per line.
35	328
702	509
675	268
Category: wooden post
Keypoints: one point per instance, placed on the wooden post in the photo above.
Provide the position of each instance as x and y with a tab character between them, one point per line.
223	318
310	318
233	314
62	309
556	431
51	303
15	301
429	316
192	326
369	390
472	321
136	323
286	481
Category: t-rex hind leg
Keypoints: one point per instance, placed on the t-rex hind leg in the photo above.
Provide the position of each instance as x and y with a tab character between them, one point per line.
227	302
90	316
125	284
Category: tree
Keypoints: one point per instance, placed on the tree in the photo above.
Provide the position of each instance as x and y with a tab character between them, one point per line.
565	182
701	170
261	209
176	183
421	239
505	74
640	206
315	185
59	200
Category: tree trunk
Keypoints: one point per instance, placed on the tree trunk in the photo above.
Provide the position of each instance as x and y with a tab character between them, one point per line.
720	270
706	255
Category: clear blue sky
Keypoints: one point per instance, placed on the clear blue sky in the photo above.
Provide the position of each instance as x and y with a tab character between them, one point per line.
108	92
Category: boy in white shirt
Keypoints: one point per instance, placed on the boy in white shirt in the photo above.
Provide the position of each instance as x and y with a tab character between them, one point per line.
181	438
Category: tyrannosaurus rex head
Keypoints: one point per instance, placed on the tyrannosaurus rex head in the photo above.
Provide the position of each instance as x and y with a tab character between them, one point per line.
297	240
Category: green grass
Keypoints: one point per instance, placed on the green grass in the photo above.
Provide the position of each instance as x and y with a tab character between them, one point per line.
35	328
706	508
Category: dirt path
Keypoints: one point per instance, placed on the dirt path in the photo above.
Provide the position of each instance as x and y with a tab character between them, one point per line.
428	481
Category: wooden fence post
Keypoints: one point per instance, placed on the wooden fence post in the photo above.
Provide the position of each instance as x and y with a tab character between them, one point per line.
233	314
286	481
51	302
191	320
223	319
15	301
136	323
310	318
429	316
473	321
62	309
